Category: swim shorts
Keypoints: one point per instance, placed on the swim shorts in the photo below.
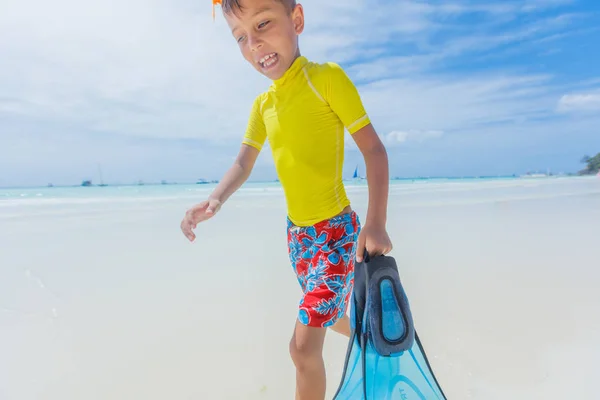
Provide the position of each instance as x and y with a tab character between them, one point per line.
323	257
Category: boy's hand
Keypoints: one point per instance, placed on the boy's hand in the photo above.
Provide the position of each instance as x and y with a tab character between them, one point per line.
375	240
199	213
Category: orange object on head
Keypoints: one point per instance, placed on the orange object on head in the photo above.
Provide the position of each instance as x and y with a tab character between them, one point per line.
215	2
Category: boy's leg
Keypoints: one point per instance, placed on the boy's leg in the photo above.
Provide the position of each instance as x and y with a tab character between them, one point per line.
342	326
306	349
325	272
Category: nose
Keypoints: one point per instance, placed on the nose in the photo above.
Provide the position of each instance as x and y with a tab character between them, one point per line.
254	42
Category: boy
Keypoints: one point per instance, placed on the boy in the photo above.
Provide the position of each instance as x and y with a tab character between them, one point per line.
303	115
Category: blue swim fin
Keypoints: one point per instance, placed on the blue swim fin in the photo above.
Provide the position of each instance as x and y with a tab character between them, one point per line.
385	359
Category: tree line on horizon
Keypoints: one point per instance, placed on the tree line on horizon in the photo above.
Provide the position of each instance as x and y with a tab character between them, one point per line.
593	165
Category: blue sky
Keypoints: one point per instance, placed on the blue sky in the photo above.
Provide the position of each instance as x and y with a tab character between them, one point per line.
156	90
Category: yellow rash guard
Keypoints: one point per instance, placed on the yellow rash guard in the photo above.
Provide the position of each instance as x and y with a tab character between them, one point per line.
303	115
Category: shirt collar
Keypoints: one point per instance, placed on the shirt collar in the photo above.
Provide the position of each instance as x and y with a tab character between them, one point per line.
291	72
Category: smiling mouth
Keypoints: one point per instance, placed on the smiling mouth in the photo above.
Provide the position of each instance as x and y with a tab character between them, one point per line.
268	60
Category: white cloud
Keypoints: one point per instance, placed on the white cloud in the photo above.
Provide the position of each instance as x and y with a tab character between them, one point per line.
146	68
455	103
577	102
397	137
164	69
535	5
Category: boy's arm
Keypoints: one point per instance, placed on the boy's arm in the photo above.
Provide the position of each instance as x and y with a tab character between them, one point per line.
236	175
252	143
342	96
376	162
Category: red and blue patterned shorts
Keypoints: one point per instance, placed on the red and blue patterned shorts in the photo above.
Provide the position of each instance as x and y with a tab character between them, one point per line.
323	257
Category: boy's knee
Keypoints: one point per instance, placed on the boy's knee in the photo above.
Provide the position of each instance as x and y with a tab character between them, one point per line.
306	350
303	354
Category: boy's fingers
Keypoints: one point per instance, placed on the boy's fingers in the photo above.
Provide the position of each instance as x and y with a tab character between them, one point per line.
360	249
186	227
190	234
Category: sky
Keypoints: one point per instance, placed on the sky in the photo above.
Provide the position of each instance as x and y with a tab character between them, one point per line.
155	89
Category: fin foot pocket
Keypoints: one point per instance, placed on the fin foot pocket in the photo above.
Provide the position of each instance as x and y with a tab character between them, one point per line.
389	317
392	323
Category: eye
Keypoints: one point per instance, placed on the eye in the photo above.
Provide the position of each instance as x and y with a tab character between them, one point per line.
240	38
263	24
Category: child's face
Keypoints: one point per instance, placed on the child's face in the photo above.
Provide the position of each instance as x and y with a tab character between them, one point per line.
267	35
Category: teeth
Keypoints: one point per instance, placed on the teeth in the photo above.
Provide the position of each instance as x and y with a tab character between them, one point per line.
267	60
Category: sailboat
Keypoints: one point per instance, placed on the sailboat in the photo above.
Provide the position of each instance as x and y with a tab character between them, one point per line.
356	177
101	180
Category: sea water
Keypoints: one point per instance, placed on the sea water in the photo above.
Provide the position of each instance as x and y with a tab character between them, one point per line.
470	190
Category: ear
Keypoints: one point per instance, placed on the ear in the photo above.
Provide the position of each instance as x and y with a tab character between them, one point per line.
298	18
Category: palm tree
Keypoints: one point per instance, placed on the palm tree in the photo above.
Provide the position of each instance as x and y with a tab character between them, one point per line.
593	165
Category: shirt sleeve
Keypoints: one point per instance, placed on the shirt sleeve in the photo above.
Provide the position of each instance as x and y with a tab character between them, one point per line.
256	132
344	99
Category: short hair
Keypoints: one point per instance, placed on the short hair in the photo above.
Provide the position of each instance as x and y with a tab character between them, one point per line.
231	6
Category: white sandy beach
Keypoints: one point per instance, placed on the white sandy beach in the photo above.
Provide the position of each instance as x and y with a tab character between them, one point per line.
102	297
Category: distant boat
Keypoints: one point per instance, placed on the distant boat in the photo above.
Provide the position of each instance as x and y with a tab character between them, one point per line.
101	179
201	181
535	174
88	182
356	176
